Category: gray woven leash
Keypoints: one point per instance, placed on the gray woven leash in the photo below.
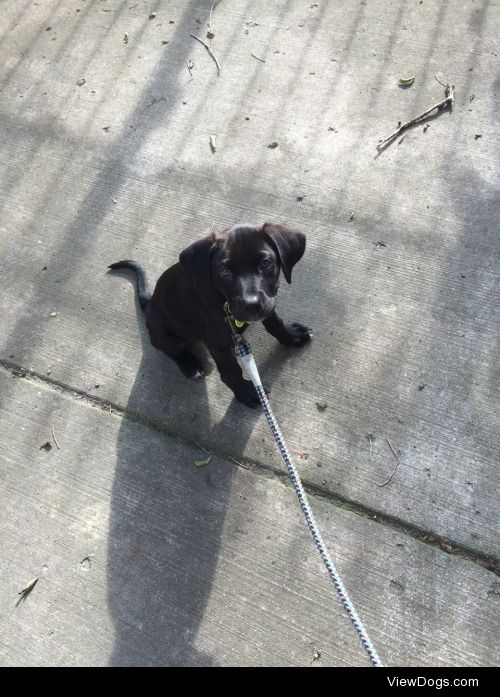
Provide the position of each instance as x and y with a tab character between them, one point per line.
247	364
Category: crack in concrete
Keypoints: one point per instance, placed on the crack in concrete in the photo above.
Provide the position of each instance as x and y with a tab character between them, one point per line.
458	550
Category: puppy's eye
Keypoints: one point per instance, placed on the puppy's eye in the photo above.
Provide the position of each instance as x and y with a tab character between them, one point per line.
266	264
225	273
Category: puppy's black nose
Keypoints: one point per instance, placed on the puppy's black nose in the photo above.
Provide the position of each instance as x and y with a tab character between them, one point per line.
247	308
251	303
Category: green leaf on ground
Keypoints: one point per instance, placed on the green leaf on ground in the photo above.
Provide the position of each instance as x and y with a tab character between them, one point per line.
202	463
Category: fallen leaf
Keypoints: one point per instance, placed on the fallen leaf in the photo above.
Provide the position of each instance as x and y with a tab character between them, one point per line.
152	15
53	314
81	81
351	217
210	34
29	586
46	446
202	463
273	145
125	38
407	80
212	142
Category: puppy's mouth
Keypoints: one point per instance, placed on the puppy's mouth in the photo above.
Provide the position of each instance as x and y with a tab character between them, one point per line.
248	315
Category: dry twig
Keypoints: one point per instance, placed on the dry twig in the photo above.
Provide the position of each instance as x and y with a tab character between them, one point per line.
211	32
446	102
397	463
390	446
240	463
212	54
370	440
54	437
201	447
257	58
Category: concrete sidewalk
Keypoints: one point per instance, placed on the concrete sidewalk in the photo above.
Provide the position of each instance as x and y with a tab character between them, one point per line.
143	558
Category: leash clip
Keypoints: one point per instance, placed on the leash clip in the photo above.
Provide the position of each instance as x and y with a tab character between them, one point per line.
234	324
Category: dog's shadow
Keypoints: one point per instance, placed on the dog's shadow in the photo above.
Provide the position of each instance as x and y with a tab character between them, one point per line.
167	516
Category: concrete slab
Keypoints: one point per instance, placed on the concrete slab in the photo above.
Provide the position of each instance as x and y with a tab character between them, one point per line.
402	297
144	558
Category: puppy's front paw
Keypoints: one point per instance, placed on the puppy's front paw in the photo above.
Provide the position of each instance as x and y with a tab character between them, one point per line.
296	334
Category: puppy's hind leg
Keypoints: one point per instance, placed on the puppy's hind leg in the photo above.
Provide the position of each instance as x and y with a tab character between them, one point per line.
173	346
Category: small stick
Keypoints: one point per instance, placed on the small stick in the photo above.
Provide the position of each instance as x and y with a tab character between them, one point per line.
447	101
212	54
390	446
257	57
238	462
214	5
392	475
54	437
202	448
397	463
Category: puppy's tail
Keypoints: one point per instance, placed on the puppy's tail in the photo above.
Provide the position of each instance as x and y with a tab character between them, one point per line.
144	296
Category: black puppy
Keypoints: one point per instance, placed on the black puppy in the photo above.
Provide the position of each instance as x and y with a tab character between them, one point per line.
240	266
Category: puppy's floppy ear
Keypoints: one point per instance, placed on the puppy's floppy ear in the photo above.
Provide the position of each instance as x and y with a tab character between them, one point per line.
195	260
288	244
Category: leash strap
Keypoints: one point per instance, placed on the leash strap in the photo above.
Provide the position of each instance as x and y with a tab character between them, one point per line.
247	364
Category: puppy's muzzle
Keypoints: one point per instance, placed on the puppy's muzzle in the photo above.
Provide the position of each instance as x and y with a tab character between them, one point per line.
251	308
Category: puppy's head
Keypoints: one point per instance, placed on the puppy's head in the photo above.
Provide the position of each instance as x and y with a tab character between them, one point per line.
243	264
